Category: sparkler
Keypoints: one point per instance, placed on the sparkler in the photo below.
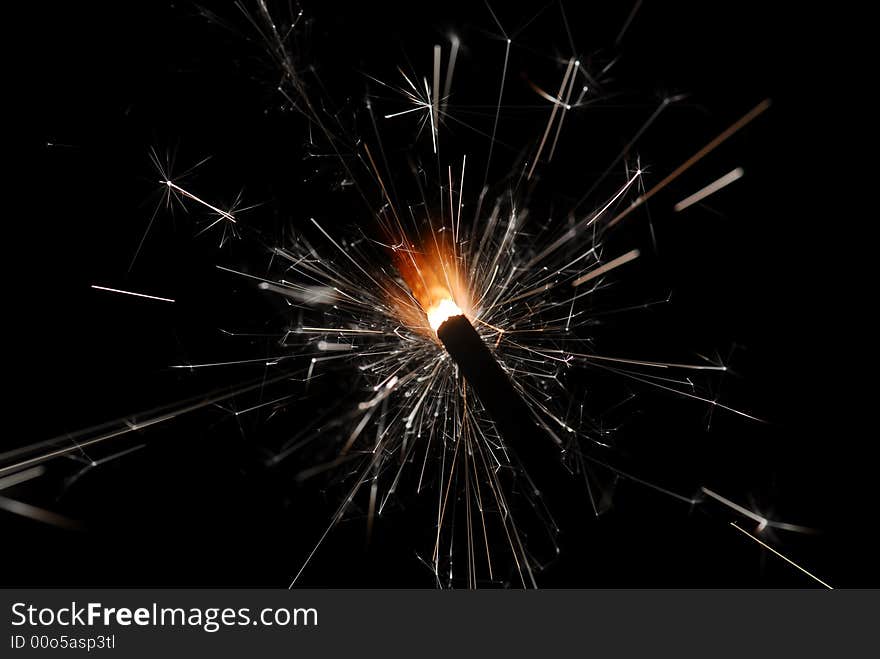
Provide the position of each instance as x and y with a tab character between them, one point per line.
434	307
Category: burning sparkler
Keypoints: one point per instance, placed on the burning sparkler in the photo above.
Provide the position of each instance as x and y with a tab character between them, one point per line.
463	328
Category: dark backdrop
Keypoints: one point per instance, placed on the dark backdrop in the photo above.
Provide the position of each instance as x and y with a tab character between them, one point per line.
93	87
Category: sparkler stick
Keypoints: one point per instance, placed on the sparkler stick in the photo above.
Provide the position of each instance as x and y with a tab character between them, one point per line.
494	388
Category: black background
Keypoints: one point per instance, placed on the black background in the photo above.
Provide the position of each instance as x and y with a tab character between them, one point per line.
754	273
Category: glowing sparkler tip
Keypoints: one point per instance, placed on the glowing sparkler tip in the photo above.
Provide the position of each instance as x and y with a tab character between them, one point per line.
437	314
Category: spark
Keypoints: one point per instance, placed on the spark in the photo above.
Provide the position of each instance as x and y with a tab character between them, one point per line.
27	510
722	137
450	68
500	96
436	103
629	20
21	477
783	557
607	267
340	330
143	295
712	188
557	103
10	461
224	215
38	514
762	521
326	346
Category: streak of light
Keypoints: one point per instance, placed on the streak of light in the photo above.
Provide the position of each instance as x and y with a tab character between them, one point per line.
261	405
89	466
640	362
557	103
640	481
313	295
189	195
565	108
21	477
450	69
258	360
722	137
602	269
122	427
629	20
116	456
436	102
498	107
339	330
785	558
710	189
762	521
37	514
684	394
143	295
585	222
628	147
327	346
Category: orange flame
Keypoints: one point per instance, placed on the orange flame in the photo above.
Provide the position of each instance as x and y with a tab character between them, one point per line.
433	278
